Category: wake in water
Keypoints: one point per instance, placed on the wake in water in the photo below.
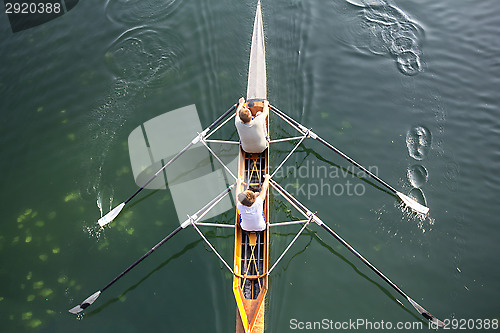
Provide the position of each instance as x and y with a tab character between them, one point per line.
99	204
102	128
383	29
143	57
140	11
139	59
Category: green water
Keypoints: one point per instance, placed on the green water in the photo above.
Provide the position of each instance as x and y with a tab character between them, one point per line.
408	88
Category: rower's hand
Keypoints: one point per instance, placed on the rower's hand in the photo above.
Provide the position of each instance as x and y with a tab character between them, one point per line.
241	100
266	103
267	176
239	181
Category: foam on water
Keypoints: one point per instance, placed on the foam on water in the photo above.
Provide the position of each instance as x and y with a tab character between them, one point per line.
423	222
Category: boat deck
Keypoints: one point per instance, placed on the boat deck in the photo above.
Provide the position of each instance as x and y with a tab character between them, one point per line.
251	251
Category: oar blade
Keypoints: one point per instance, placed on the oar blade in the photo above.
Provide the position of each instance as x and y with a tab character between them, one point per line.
109	217
425	313
80	307
414	205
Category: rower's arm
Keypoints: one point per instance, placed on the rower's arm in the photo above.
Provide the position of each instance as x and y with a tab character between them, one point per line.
240	105
239	181
265	110
265	186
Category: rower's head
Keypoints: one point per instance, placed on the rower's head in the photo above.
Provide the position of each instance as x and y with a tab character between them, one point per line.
247	198
245	115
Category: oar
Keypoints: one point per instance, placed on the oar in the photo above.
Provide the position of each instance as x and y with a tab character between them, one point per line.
109	217
419	208
192	219
307	213
91	299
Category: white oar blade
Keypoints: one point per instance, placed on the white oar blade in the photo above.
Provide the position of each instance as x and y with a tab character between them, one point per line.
75	310
109	217
419	208
425	313
91	299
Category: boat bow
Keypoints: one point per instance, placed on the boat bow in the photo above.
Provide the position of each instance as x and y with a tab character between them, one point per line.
257	87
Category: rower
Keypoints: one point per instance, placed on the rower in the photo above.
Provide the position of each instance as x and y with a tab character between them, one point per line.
250	204
252	130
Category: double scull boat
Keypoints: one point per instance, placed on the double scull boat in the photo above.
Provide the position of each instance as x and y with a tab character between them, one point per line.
251	267
251	249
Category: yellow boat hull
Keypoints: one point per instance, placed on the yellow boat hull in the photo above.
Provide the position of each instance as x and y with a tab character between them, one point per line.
251	249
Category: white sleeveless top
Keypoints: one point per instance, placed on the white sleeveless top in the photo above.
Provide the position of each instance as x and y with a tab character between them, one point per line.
253	136
252	218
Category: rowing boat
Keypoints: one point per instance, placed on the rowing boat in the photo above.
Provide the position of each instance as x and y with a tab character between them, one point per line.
251	249
251	268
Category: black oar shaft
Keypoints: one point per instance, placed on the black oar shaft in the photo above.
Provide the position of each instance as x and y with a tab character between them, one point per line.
196	216
179	228
224	115
308	214
340	239
356	164
327	144
192	219
366	262
159	171
217	121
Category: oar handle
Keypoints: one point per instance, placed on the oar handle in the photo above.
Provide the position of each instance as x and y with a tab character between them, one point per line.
194	141
327	144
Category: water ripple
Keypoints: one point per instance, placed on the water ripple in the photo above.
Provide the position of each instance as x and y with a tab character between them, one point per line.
417	175
142	56
418	195
418	142
384	29
139	11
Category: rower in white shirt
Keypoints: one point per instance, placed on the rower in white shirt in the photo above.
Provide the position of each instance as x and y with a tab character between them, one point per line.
252	130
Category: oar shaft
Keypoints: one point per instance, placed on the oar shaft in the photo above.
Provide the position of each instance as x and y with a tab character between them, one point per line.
198	215
417	306
315	136
179	228
305	211
159	171
194	141
191	220
224	115
392	189
363	259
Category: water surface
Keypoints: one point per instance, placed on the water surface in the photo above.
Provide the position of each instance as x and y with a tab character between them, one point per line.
407	88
